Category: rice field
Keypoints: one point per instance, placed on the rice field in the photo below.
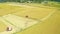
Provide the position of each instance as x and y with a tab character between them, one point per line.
47	17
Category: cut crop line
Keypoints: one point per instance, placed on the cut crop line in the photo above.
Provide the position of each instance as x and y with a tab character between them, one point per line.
50	14
4	21
10	24
15	29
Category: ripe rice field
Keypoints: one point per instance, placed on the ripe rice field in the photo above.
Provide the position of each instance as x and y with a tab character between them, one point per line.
48	18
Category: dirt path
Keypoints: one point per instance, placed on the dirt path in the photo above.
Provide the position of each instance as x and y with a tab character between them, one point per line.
26	6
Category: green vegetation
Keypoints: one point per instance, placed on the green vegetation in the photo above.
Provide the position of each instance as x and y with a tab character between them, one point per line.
28	1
